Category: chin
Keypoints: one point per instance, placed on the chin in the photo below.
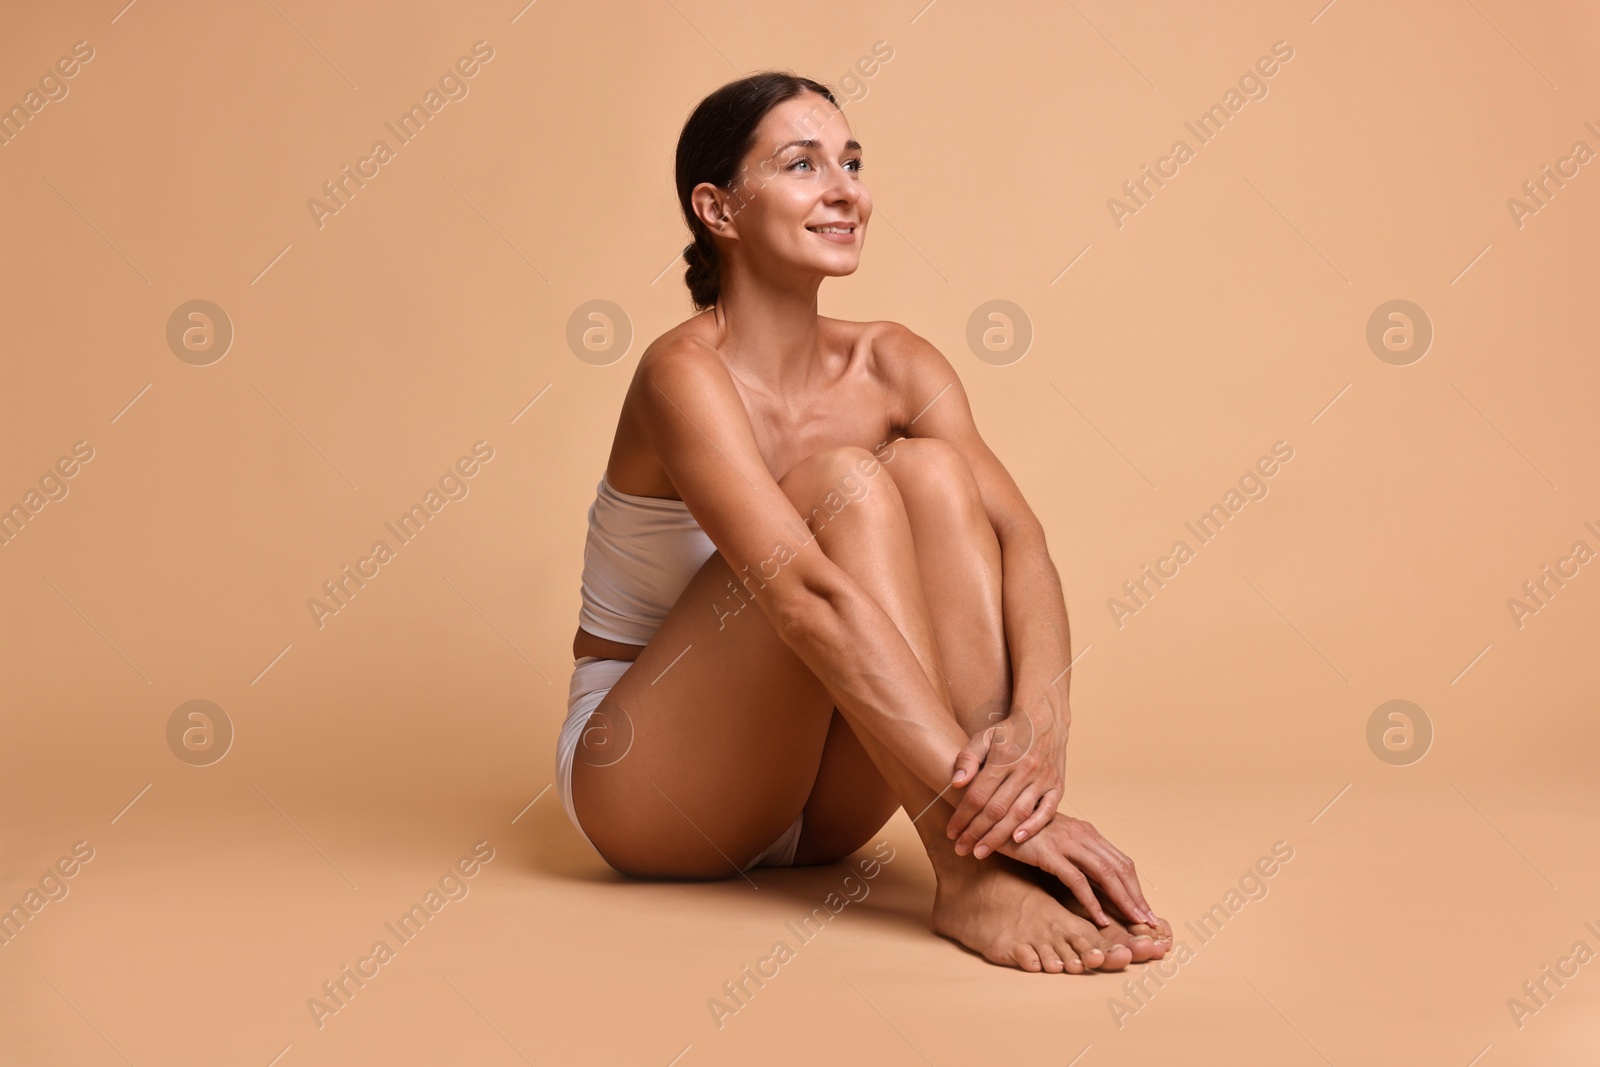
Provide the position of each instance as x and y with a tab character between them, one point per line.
837	266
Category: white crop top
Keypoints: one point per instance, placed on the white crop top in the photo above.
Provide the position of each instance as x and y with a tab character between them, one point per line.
639	555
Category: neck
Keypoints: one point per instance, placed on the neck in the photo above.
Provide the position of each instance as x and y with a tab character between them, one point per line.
769	332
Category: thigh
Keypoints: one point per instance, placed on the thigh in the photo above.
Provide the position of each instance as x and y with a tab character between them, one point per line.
720	728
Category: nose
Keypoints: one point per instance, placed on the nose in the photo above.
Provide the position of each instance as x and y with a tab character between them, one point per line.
844	189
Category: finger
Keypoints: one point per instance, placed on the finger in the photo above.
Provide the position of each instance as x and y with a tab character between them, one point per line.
1131	897
1130	882
998	807
1104	869
970	758
1074	880
978	794
1040	818
1020	809
1130	878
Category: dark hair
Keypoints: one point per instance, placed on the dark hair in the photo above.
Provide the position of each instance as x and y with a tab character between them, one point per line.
713	143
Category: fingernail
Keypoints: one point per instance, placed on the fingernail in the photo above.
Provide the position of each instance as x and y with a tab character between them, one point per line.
1019	835
961	850
961	776
981	851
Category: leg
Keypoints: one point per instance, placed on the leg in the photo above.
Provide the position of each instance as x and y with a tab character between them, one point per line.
723	726
958	569
728	727
717	707
958	562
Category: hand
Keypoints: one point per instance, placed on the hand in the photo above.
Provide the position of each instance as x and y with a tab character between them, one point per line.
1012	774
1069	848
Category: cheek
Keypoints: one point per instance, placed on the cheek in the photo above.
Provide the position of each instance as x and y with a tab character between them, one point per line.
787	211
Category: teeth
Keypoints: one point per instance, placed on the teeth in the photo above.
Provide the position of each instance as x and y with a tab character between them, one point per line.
832	229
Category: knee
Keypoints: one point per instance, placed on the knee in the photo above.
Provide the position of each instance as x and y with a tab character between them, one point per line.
931	473
824	482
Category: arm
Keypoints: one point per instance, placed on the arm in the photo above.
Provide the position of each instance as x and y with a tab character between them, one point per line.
700	433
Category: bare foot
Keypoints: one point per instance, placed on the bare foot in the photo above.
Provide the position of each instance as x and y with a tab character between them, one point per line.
993	908
1144	941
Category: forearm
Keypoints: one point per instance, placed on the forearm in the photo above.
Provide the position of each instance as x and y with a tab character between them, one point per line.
875	678
1035	612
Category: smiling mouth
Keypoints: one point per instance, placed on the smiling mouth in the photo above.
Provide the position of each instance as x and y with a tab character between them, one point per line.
849	228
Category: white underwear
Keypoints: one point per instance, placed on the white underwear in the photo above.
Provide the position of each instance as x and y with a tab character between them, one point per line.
592	679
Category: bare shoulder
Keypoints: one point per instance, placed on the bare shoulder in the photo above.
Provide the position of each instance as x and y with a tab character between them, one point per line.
892	347
911	366
681	378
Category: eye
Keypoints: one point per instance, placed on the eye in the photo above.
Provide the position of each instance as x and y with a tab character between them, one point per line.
799	161
859	164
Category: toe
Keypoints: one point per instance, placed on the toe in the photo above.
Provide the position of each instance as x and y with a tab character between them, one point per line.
1160	940
1088	949
1070	961
1117	957
1162	931
1026	957
1141	944
1049	958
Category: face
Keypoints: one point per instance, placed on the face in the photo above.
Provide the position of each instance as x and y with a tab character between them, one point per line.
799	202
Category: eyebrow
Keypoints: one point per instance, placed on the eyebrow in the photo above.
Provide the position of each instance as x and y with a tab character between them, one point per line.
850	146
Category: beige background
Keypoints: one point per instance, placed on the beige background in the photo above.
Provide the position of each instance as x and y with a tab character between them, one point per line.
427	314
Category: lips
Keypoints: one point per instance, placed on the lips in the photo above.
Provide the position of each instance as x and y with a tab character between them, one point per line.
833	227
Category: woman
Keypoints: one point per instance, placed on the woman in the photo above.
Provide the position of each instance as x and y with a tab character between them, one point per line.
812	595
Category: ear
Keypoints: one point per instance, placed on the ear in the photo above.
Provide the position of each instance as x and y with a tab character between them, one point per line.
712	206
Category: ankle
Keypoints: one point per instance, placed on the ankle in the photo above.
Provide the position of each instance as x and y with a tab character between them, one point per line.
947	866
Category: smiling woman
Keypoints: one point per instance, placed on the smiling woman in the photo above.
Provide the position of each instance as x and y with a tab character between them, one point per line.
910	644
720	161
